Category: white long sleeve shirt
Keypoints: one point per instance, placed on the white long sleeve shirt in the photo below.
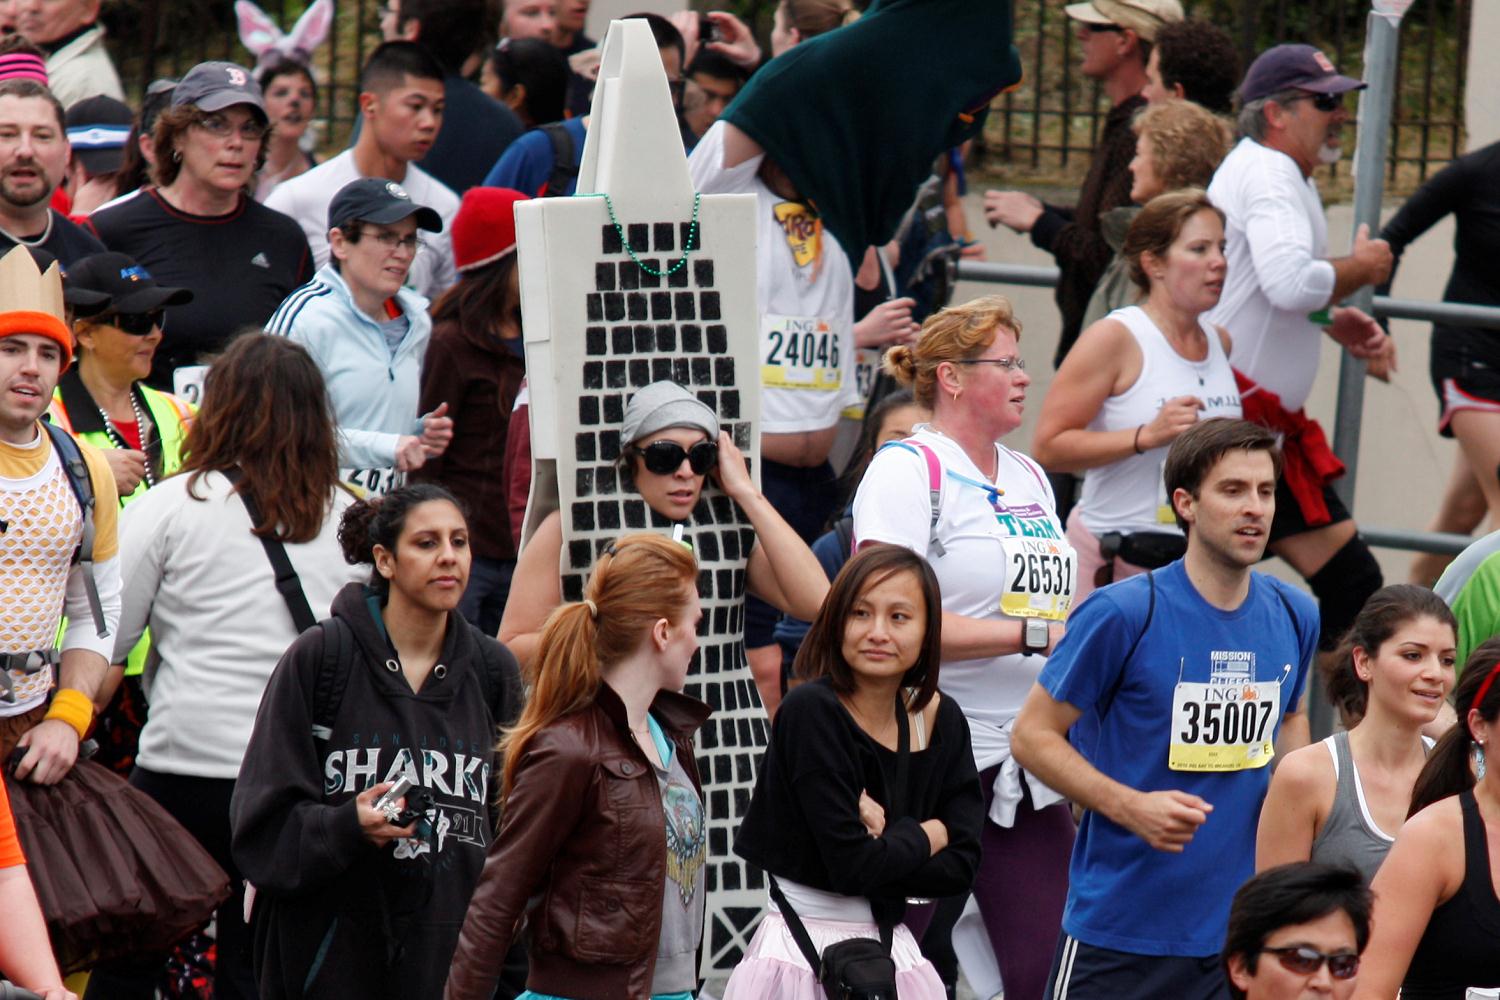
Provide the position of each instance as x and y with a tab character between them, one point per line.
1277	240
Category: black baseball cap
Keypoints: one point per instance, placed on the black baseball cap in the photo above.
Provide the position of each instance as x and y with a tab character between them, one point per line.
1294	66
214	86
127	286
97	130
82	301
375	199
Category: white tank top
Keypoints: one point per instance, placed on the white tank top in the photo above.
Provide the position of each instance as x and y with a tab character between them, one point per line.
1129	495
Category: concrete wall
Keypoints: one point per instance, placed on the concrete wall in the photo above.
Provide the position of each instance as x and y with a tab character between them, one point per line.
1481	110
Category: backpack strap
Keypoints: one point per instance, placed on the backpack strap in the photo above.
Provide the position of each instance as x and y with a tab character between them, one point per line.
843	533
564	170
934	486
77	471
1109	699
288	583
333	678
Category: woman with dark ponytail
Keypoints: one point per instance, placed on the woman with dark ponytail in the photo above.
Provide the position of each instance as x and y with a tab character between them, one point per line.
602	816
1341	801
1437	915
362	811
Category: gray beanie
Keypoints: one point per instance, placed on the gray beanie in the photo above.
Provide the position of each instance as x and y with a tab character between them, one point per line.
666	404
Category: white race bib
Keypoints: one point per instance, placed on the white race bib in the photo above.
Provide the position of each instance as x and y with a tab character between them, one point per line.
800	352
1224	726
1041	575
373	482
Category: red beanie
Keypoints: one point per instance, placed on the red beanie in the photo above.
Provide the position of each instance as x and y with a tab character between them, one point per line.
485	227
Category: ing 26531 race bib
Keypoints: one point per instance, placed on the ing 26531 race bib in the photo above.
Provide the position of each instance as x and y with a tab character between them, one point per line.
800	352
1041	575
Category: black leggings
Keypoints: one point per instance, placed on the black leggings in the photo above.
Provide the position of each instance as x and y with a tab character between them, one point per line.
201	805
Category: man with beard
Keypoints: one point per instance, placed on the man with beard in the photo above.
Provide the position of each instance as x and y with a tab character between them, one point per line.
33	158
1179	682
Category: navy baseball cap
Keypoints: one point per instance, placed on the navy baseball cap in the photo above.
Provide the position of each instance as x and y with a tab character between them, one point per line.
1294	66
214	86
375	199
128	287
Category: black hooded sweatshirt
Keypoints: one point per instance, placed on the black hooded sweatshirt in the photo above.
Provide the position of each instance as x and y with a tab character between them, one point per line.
334	915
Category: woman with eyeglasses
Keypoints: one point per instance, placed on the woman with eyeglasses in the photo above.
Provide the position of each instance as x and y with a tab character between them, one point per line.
1133	382
1437	912
369	333
673	444
984	517
199	228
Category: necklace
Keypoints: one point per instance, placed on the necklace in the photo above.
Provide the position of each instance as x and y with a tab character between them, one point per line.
35	241
118	440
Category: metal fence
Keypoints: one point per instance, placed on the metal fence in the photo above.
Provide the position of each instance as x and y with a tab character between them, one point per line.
1052	122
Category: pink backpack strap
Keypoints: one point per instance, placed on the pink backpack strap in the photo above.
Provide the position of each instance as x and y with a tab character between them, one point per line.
934	486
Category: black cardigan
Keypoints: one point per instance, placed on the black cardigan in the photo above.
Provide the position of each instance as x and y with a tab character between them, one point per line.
804	823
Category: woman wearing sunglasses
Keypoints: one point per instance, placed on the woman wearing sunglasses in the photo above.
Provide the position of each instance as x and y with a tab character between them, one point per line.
983	516
103	401
674	443
1437	913
1133	382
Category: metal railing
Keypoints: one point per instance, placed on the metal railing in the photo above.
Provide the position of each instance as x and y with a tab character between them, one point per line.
1486	317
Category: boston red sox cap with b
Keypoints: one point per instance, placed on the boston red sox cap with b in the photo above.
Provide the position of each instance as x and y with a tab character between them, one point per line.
214	86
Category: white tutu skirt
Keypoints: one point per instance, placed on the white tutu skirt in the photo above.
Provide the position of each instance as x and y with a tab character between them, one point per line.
774	966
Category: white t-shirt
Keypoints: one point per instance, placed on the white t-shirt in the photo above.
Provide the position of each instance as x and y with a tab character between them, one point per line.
1277	240
805	299
196	575
981	540
306	199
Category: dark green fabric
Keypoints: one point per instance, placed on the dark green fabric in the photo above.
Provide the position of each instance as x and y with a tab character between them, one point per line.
855	117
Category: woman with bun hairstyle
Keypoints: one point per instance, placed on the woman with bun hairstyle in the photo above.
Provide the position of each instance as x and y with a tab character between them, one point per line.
353	898
984	516
1341	802
1437	914
602	815
796	21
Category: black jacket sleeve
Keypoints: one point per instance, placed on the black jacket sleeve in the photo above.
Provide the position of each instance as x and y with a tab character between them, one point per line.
951	871
1445	192
286	838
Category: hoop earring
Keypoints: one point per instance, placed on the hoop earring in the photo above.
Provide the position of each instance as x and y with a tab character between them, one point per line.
1479	767
176	156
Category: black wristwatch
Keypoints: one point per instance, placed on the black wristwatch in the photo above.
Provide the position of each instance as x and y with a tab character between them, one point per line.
1035	635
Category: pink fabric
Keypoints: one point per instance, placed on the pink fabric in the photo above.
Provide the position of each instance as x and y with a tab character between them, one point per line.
23	66
1090	558
774	966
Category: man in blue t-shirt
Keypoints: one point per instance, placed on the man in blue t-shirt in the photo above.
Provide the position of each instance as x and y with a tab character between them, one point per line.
1174	687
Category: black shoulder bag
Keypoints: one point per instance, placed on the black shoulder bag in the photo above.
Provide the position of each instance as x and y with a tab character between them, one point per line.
859	968
288	583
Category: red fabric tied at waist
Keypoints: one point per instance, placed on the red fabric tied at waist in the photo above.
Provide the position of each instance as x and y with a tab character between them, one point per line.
1308	464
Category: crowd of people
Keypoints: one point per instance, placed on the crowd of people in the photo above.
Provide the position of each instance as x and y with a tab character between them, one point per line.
288	710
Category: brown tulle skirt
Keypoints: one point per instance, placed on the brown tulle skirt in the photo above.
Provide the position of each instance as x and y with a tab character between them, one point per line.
116	875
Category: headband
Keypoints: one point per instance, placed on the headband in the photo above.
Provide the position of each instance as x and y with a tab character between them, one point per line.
1484	688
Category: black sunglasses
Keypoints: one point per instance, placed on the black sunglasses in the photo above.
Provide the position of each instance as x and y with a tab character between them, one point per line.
1305	961
1098	29
1323	102
138	324
665	457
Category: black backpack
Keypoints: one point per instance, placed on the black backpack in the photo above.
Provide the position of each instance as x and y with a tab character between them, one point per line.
564	169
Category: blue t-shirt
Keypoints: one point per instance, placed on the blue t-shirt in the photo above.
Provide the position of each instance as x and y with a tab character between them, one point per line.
1122	894
527	164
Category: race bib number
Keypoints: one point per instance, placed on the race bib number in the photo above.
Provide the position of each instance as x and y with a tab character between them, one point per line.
187	383
373	482
866	364
1040	578
1224	726
801	352
803	229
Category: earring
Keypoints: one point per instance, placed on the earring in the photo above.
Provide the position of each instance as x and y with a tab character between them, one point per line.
1479	767
176	156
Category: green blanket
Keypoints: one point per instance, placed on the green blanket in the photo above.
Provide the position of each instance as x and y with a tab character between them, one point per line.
856	117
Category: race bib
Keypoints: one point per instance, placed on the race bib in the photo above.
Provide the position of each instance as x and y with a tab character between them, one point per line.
866	364
187	383
801	352
373	482
1040	578
803	229
1164	512
1224	726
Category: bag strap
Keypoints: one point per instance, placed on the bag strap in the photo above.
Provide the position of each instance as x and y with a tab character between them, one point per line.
77	472
563	169
288	583
794	924
934	487
333	678
1109	700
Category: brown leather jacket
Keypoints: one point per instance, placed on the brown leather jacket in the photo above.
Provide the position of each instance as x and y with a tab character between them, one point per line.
583	830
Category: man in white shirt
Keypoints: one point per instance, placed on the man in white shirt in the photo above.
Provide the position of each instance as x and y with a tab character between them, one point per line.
1280	296
401	102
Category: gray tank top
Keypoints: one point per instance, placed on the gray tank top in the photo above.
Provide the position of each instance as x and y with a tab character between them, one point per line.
1349	836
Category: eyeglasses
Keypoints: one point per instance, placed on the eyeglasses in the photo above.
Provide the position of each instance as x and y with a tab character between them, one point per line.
665	457
1009	364
138	324
1305	961
1323	102
392	242
222	128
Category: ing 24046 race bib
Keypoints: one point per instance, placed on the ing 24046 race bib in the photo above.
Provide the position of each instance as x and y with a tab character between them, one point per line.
801	352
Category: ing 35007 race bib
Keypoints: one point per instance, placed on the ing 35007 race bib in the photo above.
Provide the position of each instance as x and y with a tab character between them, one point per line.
1224	726
801	352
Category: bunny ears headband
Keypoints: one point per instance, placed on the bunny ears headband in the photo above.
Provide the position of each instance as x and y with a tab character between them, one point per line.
271	46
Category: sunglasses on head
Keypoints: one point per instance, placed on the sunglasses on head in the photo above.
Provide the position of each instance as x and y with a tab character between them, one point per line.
1305	961
138	324
665	457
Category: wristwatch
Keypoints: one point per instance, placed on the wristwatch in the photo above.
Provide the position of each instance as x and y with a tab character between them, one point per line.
1034	636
